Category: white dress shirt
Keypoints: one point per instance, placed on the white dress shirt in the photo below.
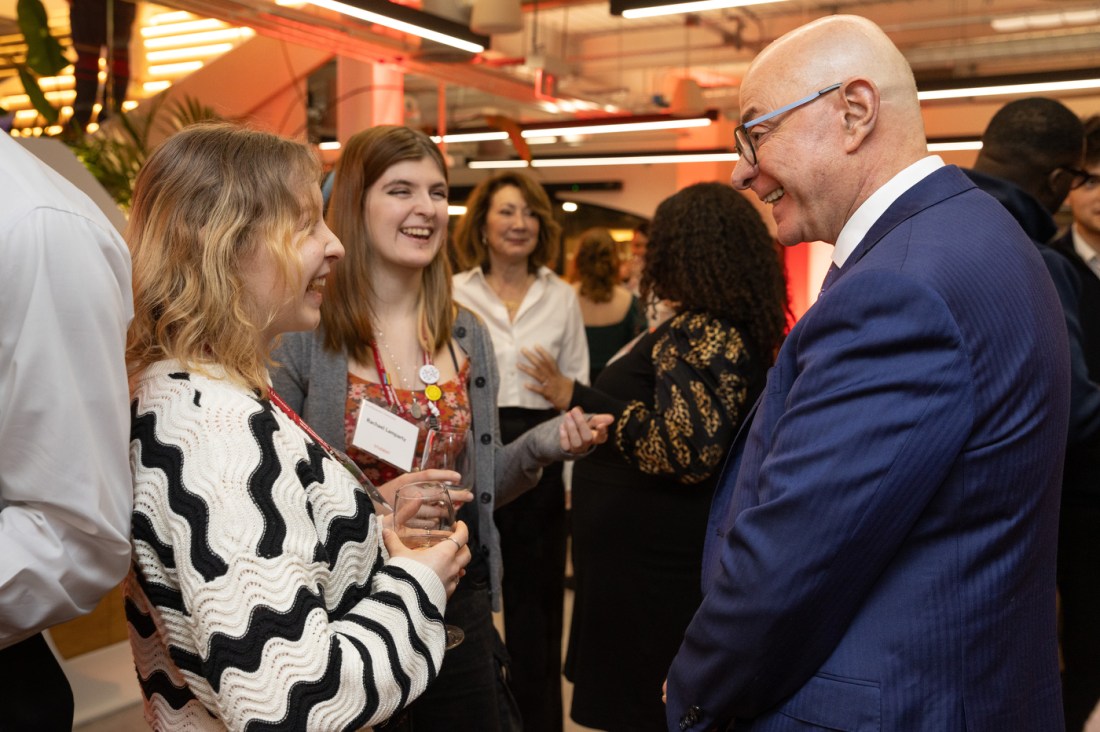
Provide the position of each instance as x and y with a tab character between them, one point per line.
1087	253
65	488
876	204
549	316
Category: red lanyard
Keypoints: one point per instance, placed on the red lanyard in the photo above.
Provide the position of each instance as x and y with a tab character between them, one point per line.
391	393
337	455
384	377
285	408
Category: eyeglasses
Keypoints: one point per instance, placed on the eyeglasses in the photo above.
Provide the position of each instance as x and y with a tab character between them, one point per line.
1081	178
741	137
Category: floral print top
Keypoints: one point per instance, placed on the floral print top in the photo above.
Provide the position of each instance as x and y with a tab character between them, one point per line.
454	414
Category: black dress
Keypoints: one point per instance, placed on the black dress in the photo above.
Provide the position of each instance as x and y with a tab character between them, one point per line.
640	506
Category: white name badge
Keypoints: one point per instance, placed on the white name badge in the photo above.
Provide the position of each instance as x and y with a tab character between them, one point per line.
386	435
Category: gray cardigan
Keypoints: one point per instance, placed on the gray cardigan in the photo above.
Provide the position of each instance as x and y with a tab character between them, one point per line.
314	382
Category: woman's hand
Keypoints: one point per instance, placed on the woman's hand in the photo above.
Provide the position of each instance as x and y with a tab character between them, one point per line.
580	432
549	382
448	558
389	489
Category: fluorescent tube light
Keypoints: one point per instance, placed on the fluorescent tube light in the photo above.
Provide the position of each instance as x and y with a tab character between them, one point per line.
634	9
598	128
1010	89
954	145
1040	83
1044	21
470	137
409	20
660	158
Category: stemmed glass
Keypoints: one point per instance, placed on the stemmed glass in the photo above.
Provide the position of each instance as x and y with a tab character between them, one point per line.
450	450
423	516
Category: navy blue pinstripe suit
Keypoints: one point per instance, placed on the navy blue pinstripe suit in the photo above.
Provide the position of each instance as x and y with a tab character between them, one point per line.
882	544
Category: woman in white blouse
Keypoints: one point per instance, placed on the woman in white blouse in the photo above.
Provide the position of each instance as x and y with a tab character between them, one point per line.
505	241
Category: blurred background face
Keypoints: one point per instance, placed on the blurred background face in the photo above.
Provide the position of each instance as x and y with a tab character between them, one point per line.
511	227
1085	202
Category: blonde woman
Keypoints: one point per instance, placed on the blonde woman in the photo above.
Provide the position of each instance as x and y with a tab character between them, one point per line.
263	590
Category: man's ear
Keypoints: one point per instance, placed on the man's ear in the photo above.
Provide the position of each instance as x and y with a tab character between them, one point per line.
861	102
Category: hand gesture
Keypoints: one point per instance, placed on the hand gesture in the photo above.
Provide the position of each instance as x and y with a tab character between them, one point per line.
579	432
389	489
549	382
448	559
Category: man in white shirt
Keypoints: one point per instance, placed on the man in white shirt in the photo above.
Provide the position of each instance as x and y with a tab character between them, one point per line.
65	488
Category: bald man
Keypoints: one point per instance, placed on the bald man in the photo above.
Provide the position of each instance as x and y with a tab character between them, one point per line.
881	547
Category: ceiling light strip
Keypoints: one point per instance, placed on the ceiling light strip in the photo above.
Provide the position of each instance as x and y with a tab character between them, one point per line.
954	145
629	9
1041	87
704	156
388	21
470	137
599	129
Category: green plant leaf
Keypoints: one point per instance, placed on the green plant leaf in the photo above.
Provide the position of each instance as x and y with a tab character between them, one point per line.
38	98
44	53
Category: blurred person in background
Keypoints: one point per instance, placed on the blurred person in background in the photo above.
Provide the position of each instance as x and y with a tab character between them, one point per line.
640	502
612	315
507	241
1078	549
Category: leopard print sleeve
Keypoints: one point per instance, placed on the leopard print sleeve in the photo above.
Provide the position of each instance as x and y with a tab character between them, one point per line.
701	367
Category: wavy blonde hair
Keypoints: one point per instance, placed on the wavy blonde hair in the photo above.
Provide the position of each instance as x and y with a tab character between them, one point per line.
203	202
471	248
347	317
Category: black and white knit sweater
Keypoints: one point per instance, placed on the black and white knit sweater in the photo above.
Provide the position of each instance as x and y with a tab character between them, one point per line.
261	595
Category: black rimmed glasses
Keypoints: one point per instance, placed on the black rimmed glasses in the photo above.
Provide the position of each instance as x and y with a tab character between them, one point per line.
741	137
1081	178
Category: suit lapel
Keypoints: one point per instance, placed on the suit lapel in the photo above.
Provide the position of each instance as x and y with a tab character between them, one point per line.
935	188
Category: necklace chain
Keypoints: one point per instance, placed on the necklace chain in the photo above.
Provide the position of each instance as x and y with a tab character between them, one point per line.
378	338
512	306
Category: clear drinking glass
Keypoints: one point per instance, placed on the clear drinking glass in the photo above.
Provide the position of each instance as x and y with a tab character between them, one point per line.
450	450
423	516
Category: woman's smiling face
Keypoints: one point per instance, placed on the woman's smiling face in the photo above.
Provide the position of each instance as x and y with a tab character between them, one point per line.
406	213
293	303
511	226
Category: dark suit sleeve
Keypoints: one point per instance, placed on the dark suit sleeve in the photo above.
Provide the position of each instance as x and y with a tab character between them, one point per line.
1084	417
872	421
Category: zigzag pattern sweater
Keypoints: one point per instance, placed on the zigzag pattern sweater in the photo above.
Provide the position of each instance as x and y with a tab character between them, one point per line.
261	596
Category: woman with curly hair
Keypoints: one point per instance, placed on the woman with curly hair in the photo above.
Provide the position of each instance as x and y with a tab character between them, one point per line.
612	315
641	501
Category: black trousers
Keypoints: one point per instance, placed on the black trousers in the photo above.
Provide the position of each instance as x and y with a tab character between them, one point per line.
470	694
34	694
88	22
532	537
1079	586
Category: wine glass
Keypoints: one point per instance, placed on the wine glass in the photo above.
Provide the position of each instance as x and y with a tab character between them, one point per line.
450	450
423	516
